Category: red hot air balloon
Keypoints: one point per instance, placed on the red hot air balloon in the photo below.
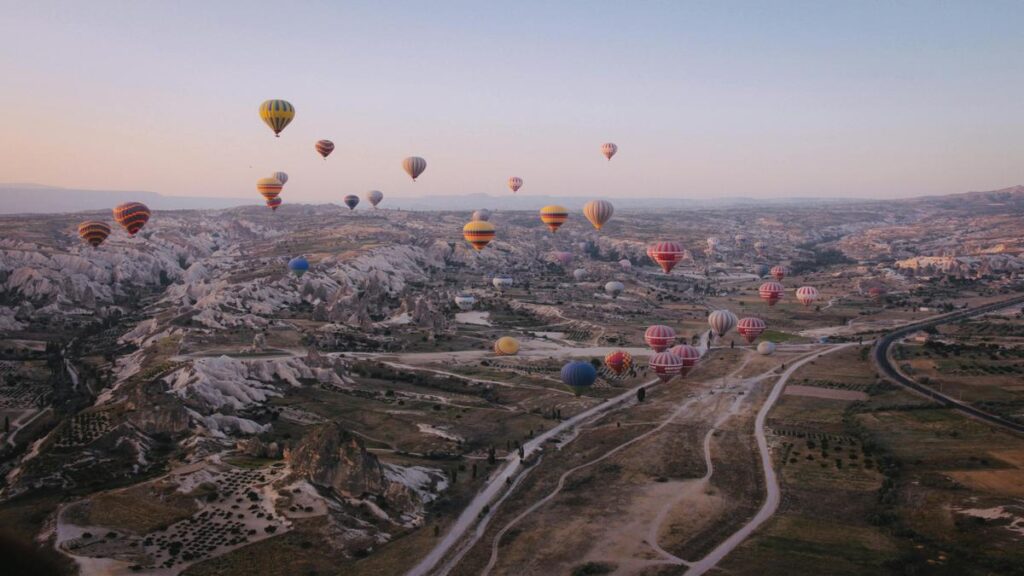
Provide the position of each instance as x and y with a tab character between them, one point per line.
666	254
659	337
273	203
94	232
750	328
807	295
688	355
618	361
666	365
132	216
779	272
771	292
324	148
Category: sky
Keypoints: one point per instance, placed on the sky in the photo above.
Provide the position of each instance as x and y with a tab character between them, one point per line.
704	99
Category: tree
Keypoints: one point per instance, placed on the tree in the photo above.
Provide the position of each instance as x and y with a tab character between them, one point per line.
641	393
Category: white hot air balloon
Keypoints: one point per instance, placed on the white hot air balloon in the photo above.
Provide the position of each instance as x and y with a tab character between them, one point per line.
614	288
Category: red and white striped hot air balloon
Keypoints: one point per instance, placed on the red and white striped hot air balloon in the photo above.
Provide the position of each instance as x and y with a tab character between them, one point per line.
515	183
779	272
666	365
666	254
608	149
688	355
750	328
721	322
659	337
807	295
771	292
324	148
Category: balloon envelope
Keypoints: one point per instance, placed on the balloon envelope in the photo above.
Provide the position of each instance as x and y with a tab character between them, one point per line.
277	114
721	322
478	233
281	177
132	216
598	212
506	346
608	149
554	216
298	265
93	232
618	361
324	148
482	215
578	375
659	337
414	166
351	201
750	328
374	197
614	288
515	183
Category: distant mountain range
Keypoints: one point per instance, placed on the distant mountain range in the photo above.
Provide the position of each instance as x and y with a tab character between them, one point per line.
35	198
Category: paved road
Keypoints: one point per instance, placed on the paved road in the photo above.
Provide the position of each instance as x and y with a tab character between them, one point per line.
886	367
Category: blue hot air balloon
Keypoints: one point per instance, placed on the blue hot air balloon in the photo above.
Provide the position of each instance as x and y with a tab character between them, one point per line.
298	265
579	375
762	270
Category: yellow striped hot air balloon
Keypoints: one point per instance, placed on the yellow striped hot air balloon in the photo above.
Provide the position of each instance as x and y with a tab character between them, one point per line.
506	346
132	216
554	216
479	233
277	114
94	232
598	212
269	187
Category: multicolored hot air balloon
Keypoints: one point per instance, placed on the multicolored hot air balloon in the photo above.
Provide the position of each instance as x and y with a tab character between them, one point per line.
562	257
579	274
482	215
659	337
688	355
277	114
324	148
94	232
414	166
554	216
779	272
618	361
273	203
351	201
515	183
282	177
598	212
269	187
666	254
132	216
465	301
766	348
478	233
807	295
771	292
666	365
298	266
506	346
721	322
750	328
609	149
614	288
502	282
579	375
374	197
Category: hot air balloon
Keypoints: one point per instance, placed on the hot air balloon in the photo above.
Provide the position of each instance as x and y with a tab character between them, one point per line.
506	346
712	243
277	114
618	361
877	293
478	233
578	375
132	216
502	282
324	148
298	265
760	247
666	365
351	201
614	288
807	295
598	212
554	216
659	337
562	257
414	166
273	203
766	348
750	328
625	265
666	254
608	150
515	183
761	270
721	322
741	240
771	292
374	197
93	232
465	301
281	177
579	274
269	187
688	355
482	215
779	272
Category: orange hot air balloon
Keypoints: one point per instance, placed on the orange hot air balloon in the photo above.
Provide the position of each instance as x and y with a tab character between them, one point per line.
618	361
132	216
93	232
269	187
554	216
479	233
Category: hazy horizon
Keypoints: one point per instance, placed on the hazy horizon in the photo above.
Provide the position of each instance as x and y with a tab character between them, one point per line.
704	100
